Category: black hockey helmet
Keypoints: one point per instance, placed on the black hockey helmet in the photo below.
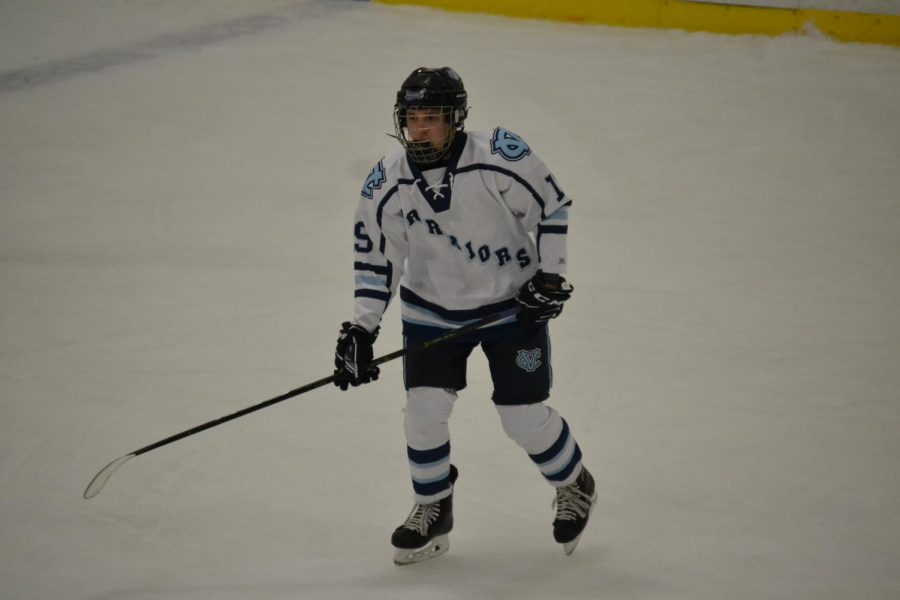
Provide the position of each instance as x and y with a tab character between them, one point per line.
434	87
440	88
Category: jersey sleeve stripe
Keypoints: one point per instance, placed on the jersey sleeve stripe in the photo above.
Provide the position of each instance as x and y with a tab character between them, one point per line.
379	269
559	229
362	280
559	216
367	275
377	295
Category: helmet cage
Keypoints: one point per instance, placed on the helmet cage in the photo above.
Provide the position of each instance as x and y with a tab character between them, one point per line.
424	152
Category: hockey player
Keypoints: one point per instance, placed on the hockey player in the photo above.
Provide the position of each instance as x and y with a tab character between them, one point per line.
465	225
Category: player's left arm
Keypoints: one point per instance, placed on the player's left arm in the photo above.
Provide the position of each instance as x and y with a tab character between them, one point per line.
533	195
542	297
552	231
545	212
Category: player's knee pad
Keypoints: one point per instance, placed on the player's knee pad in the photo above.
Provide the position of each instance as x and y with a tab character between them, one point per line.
427	416
534	427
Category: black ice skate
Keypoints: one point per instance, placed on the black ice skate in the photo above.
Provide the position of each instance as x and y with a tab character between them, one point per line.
574	504
424	534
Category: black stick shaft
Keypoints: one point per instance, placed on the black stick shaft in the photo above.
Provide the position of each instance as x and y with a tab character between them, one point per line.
319	383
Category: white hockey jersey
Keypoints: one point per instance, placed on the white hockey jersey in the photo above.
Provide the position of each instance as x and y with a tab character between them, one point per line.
458	240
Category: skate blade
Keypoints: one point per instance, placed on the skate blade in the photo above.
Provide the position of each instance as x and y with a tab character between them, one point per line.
569	547
433	549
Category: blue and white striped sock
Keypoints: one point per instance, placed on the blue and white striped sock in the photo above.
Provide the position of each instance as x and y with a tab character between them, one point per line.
430	471
545	436
561	462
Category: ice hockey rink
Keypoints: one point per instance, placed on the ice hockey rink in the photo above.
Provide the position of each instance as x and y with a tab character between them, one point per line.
177	186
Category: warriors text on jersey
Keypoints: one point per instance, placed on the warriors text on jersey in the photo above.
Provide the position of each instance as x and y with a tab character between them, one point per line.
458	240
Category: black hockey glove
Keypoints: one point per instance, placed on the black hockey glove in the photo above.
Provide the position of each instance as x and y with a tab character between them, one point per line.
541	298
353	355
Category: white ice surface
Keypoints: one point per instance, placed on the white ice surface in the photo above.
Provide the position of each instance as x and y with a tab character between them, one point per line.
177	181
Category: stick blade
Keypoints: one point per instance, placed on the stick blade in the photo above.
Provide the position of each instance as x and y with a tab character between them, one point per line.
103	476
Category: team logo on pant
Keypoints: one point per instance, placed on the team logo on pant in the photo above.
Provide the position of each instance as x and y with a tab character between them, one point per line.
529	360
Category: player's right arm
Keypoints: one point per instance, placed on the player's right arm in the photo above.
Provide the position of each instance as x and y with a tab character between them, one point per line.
379	250
379	245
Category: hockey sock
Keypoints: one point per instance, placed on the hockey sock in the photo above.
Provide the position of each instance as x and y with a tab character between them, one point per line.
545	436
428	441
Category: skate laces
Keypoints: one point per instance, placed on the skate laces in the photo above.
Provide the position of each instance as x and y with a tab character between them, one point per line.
422	516
571	503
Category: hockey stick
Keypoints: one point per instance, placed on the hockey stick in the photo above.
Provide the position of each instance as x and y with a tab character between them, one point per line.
106	472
